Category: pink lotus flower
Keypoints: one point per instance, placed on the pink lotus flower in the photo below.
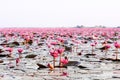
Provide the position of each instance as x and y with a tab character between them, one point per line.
64	61
17	61
104	34
117	45
54	53
61	50
49	46
107	46
9	49
27	38
95	37
95	42
20	50
92	44
53	43
60	39
64	74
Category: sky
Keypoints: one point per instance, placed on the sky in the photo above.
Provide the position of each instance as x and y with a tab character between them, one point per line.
59	13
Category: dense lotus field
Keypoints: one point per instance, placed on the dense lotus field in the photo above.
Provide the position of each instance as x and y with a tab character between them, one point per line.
59	53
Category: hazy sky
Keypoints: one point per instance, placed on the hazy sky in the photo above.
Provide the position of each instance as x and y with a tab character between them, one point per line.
59	13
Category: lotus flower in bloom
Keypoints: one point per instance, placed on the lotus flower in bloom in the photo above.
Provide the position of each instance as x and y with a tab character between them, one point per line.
107	46
117	46
54	54
61	50
9	49
92	44
104	34
20	50
64	61
27	38
60	39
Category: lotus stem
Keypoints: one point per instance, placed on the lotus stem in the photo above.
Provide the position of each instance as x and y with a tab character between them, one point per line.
105	52
60	64
116	54
92	50
54	62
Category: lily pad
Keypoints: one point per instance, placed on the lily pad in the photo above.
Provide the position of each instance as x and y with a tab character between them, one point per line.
31	56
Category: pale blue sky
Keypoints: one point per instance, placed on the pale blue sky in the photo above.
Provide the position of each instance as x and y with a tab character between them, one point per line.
59	13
